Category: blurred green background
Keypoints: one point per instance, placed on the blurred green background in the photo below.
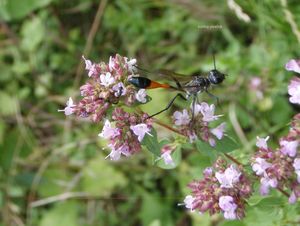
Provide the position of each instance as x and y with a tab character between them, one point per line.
52	168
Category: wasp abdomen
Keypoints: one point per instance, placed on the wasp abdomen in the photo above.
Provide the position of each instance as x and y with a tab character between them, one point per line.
145	83
140	82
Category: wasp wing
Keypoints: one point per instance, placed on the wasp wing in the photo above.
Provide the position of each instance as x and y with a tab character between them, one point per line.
174	75
164	74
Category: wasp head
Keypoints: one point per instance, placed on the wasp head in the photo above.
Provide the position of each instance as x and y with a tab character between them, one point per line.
216	77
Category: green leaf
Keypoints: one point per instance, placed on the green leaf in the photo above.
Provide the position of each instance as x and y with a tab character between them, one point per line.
254	200
16	9
151	208
267	212
9	104
8	150
206	150
2	131
155	208
225	145
270	202
33	33
233	223
176	156
151	143
277	116
51	182
64	213
100	178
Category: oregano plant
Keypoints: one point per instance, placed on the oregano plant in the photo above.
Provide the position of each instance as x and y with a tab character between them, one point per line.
227	185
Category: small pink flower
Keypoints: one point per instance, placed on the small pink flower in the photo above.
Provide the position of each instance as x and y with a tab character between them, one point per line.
86	90
119	89
296	166
69	109
256	87
141	96
230	176
289	147
260	166
262	142
208	171
226	203
294	90
266	183
166	156
112	64
208	112
125	150
255	82
197	109
292	198
107	79
293	65
114	155
140	130
212	142
296	163
181	118
219	130
192	136
108	131
89	66
188	201
130	64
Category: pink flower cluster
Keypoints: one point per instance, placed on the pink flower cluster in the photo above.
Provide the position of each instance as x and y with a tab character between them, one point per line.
279	168
294	90
294	86
224	188
125	133
107	86
198	128
257	87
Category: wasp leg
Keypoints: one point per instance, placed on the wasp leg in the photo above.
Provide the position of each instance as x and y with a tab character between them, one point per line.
213	96
169	105
119	93
193	109
179	86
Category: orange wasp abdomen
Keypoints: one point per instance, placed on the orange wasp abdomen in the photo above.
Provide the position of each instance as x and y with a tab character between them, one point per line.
145	83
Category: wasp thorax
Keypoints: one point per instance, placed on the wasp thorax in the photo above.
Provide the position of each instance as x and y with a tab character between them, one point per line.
216	77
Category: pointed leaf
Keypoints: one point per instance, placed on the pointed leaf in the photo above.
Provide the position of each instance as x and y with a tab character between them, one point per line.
151	143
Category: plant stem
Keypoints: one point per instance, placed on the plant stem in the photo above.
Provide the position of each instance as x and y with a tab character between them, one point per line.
166	126
283	192
233	159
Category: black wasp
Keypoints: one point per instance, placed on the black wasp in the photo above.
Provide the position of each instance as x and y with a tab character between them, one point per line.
195	85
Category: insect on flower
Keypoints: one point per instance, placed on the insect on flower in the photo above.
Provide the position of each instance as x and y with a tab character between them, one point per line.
189	85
